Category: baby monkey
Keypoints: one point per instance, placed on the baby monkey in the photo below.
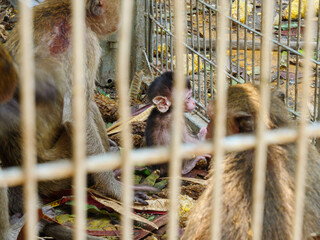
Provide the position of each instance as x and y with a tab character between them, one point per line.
158	129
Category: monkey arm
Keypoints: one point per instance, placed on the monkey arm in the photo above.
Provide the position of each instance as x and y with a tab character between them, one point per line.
188	165
100	138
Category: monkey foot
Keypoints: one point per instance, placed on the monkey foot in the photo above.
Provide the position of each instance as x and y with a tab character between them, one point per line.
140	197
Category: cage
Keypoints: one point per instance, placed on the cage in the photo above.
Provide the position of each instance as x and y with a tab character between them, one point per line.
216	44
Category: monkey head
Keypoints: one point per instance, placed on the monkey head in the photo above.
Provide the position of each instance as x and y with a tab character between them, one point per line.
242	110
161	93
190	104
103	16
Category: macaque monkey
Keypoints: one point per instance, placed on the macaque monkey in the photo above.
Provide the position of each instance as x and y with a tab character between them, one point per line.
236	213
52	34
158	129
45	93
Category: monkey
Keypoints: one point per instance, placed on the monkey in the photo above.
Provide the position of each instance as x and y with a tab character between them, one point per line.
52	34
45	94
236	213
158	127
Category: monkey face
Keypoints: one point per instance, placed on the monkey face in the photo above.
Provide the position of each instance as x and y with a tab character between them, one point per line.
190	104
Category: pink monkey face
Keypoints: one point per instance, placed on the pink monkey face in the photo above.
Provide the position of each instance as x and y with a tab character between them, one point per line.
189	102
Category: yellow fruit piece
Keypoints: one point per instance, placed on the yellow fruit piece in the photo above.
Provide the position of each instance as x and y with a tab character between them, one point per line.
295	9
161	49
195	63
186	203
242	9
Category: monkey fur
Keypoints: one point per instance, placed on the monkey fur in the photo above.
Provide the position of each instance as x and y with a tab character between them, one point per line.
236	213
52	34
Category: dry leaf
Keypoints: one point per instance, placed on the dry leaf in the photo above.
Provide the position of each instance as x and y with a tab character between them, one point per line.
119	209
160	205
116	127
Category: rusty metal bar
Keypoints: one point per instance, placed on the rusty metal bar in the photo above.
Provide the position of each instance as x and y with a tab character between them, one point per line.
288	52
279	46
297	58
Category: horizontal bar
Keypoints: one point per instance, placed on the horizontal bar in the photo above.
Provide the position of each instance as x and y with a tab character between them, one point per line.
63	168
288	48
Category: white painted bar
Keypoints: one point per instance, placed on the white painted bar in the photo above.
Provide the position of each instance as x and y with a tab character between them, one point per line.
28	124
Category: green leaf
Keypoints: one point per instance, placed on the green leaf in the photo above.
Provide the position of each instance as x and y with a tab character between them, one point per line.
103	92
151	179
144	171
162	184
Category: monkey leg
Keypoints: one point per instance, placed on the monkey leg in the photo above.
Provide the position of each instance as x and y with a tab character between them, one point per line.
60	232
97	142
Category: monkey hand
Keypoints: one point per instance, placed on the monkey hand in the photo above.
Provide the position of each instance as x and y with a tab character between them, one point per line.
188	165
140	197
202	133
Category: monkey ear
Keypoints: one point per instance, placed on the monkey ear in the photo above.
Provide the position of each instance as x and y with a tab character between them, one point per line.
243	122
162	103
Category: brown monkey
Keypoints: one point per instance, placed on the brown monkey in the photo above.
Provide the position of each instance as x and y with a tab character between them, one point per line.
158	129
52	34
47	71
242	107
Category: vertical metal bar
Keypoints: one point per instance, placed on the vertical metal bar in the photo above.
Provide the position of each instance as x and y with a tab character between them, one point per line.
297	58
161	33
187	63
316	90
28	118
288	52
238	40
78	108
171	39
198	46
302	142
151	31
253	40
176	134
230	40
156	9
123	66
220	119
192	45
166	36
205	54
210	51
245	42
279	46
261	148
147	33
